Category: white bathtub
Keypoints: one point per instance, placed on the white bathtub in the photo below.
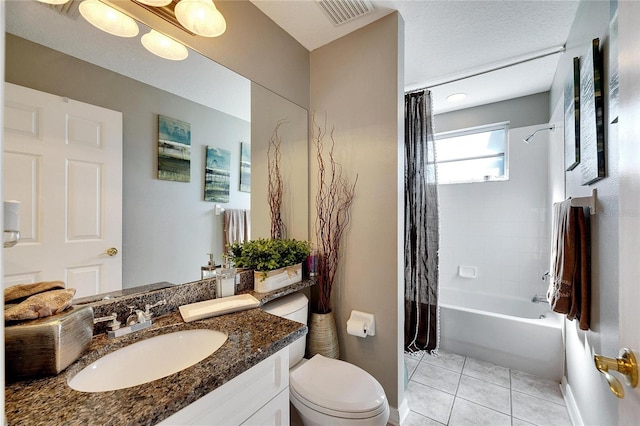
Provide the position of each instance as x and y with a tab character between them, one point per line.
502	330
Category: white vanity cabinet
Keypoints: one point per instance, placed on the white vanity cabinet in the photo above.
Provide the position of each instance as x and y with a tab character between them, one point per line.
259	396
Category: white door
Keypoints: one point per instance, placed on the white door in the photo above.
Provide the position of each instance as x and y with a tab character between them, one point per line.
63	162
629	225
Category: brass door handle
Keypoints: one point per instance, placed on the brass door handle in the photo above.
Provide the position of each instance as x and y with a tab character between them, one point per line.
625	364
111	251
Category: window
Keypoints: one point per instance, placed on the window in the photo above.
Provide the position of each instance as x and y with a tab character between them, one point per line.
477	154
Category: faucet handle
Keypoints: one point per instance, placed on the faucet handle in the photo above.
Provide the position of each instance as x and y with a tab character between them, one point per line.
148	307
113	323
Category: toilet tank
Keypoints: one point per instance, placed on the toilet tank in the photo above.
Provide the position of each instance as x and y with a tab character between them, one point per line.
293	307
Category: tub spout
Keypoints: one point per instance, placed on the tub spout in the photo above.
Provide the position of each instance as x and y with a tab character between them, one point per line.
539	299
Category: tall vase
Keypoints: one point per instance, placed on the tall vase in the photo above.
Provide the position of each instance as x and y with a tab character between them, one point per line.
323	336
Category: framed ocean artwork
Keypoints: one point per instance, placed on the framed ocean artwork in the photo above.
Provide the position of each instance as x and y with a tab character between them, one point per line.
245	167
174	149
572	117
217	175
592	143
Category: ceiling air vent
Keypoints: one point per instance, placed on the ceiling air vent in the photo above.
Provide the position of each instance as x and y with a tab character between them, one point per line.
342	11
69	9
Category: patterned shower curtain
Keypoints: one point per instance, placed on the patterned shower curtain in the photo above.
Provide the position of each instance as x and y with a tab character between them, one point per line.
421	328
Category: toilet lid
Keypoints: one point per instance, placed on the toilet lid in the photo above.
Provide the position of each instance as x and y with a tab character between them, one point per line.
337	387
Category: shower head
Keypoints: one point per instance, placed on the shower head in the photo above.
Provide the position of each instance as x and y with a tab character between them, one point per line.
528	138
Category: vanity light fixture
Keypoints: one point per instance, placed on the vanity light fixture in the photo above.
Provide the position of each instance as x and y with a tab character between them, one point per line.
201	17
108	19
456	97
163	46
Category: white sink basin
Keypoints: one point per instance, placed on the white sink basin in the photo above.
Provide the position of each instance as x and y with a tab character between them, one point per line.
148	360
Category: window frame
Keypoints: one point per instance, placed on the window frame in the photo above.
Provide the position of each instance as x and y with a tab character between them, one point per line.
504	125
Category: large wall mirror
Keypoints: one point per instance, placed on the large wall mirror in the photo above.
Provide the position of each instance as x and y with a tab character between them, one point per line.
167	227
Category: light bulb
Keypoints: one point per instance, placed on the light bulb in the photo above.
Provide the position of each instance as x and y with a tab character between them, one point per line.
456	97
108	19
155	3
163	46
54	1
201	17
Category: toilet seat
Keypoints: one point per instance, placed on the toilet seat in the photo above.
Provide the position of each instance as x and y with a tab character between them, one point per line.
337	388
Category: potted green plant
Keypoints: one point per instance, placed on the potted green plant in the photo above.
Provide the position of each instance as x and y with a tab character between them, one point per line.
277	262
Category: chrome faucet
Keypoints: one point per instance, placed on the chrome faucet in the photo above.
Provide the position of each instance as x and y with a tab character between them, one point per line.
537	298
137	316
137	320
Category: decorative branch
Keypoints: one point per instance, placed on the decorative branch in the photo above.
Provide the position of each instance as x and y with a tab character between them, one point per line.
333	203
276	187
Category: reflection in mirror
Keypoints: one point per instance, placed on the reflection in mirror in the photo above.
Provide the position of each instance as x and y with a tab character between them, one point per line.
167	227
267	109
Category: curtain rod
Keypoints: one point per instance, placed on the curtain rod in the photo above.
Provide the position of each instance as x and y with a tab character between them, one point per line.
521	60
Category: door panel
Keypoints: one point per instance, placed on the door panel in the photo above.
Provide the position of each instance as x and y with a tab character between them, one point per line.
63	162
629	170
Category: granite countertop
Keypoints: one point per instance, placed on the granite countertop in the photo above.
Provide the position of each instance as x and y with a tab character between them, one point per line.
254	335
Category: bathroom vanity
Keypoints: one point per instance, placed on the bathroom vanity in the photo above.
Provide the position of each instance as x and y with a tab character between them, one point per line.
246	379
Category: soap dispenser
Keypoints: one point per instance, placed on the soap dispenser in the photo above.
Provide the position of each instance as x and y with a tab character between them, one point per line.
209	271
226	279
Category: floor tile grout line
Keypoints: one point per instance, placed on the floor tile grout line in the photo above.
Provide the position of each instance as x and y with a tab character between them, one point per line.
561	404
511	395
455	397
434	388
483	406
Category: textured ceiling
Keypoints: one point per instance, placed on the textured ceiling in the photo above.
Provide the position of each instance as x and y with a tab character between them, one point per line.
446	40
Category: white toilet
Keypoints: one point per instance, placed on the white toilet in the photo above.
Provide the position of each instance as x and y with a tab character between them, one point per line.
327	391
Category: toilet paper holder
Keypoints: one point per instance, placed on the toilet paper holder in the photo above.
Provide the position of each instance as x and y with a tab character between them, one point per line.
361	321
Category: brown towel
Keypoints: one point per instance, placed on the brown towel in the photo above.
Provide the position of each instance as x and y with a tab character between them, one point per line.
22	291
570	284
40	305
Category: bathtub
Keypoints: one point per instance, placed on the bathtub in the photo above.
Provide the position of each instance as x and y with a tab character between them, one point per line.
510	332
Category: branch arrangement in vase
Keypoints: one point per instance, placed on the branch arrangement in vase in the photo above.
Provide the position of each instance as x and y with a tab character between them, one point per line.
333	204
276	186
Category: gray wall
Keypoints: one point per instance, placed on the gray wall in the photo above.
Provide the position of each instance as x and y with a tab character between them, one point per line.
595	403
167	227
357	81
267	109
253	46
520	112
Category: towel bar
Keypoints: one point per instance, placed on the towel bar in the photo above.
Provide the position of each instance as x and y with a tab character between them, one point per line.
590	201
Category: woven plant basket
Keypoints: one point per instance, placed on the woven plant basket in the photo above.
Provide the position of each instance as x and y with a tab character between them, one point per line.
323	336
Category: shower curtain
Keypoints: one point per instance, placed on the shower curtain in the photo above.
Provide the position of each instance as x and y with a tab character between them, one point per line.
421	330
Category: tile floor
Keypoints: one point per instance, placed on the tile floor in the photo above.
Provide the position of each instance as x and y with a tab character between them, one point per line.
455	390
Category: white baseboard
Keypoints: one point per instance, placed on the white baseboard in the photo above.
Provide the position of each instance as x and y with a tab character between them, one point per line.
398	415
569	400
